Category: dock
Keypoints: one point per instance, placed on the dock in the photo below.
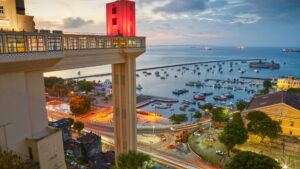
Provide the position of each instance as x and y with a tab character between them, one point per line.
255	78
167	66
144	100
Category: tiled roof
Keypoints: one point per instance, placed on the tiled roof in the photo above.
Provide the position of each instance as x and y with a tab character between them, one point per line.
275	98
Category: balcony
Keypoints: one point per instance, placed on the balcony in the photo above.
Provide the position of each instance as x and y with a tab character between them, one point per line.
55	50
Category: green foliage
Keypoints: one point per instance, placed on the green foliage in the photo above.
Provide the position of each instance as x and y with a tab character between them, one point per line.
132	160
85	86
71	121
241	105
219	115
267	84
9	160
262	125
207	106
80	105
294	91
178	118
197	115
234	133
250	160
51	81
78	126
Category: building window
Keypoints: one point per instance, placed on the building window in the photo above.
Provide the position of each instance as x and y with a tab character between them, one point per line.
30	153
92	43
114	10
54	43
280	122
291	132
1	45
36	43
292	124
15	44
83	43
114	21
101	43
70	43
1	9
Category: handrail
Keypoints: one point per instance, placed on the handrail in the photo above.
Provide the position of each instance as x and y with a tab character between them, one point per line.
24	42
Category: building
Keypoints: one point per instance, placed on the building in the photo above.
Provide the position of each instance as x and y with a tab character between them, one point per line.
12	16
90	145
26	56
120	18
283	107
64	126
287	83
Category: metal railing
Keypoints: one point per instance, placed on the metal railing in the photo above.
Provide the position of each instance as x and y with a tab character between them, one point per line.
24	42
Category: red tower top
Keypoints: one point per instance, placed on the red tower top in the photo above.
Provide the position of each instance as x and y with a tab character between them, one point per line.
120	18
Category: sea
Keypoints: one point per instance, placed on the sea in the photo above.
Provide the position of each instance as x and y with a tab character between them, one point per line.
169	55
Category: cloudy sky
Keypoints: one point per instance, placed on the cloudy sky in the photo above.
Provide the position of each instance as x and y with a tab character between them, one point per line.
205	22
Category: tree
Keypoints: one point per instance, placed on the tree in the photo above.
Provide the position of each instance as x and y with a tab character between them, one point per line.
267	84
207	106
71	121
178	118
79	126
9	160
85	86
262	125
59	90
132	160
250	160
219	115
197	115
241	105
294	91
80	105
234	133
51	81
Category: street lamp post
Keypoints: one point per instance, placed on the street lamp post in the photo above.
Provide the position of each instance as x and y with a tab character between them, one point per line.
5	134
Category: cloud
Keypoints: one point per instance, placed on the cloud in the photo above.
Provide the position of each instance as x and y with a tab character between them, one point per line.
180	6
71	22
246	19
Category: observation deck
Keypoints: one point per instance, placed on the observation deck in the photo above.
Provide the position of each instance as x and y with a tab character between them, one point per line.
52	51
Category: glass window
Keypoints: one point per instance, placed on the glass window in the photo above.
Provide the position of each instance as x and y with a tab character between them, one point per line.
35	43
92	43
116	43
123	42
114	21
1	45
1	9
101	43
15	43
114	10
83	43
108	43
70	43
54	43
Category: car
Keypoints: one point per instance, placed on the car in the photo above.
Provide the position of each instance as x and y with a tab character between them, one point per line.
220	153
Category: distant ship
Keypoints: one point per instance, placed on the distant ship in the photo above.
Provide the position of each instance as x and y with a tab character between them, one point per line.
207	48
241	47
289	50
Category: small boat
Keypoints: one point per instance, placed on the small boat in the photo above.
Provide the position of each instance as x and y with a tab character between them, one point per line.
162	78
175	76
199	97
139	87
256	71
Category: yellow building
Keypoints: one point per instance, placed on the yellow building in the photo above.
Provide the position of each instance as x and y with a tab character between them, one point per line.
282	107
287	83
12	16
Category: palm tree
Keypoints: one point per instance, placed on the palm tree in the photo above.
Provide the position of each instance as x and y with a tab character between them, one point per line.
132	160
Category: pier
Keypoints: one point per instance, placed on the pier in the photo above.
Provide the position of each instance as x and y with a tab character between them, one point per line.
167	66
144	100
255	78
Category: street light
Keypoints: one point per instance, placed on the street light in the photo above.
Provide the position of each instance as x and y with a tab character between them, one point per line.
5	135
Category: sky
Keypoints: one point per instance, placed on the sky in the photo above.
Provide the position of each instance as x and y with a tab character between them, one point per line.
183	22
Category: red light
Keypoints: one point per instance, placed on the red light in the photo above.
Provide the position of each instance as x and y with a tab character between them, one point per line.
120	18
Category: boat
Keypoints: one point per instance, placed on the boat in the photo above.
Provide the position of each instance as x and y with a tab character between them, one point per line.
289	50
162	78
139	87
180	91
264	65
175	76
199	97
190	83
208	93
256	71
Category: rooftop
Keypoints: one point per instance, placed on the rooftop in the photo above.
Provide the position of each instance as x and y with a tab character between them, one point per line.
275	98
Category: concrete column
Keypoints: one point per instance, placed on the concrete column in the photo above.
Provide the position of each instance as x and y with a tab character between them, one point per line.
124	105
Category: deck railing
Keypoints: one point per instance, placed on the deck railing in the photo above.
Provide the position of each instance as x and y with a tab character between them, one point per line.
23	42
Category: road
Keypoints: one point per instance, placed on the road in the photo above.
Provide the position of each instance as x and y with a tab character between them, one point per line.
192	161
